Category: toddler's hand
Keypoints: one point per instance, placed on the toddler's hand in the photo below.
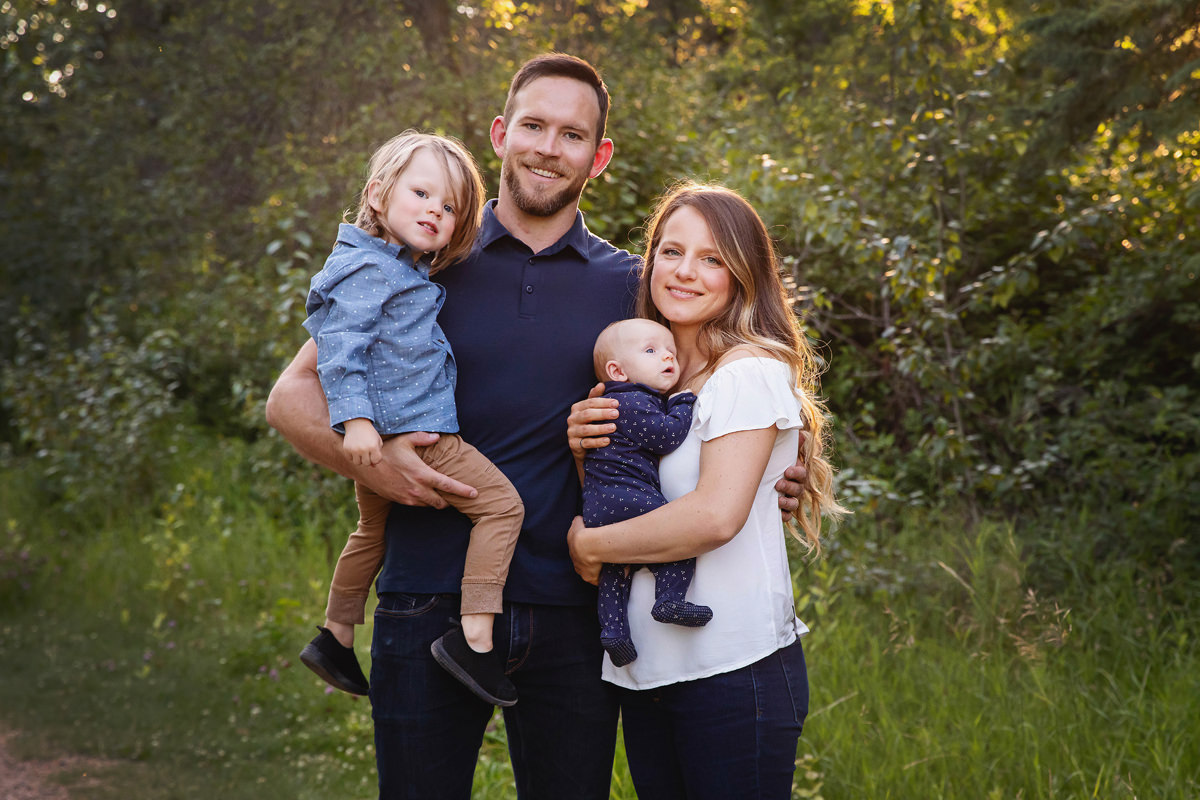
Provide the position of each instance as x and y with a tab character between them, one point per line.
363	444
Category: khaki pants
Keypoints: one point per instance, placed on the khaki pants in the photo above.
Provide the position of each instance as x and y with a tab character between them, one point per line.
496	512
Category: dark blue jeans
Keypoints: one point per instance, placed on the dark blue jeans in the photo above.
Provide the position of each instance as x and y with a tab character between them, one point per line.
428	727
732	735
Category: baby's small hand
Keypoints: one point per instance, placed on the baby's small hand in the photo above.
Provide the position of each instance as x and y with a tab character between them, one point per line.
363	444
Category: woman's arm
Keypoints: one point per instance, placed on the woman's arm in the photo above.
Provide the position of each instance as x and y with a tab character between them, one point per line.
296	408
731	467
590	423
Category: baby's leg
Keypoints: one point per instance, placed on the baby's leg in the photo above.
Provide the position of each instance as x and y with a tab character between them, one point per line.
615	638
671	582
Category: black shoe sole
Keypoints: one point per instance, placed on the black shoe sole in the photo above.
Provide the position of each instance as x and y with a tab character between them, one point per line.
315	660
450	665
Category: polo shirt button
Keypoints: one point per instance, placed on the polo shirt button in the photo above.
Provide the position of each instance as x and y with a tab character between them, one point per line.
529	289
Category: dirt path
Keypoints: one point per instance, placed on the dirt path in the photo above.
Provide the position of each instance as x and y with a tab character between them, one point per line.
41	779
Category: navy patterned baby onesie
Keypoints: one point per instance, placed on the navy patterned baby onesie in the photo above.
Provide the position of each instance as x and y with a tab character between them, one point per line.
620	481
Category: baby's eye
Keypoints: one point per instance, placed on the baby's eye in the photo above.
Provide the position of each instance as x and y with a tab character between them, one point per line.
420	193
650	350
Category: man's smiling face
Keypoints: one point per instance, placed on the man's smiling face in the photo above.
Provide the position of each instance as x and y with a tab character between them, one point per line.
550	145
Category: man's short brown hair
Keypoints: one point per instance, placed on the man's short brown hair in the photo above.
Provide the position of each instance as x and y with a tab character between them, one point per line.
561	65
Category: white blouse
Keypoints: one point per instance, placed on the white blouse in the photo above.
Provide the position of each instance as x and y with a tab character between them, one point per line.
746	582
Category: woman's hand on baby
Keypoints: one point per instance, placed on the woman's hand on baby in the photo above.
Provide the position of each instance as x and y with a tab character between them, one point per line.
589	424
588	569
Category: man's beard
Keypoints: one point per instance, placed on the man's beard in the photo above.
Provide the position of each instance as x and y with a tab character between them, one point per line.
540	204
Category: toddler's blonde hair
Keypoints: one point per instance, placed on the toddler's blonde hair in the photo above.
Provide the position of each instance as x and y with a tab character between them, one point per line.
388	164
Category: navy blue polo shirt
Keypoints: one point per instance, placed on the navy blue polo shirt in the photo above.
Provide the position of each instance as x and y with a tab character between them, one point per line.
522	326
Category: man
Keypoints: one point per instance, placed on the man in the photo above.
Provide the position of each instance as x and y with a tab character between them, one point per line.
522	313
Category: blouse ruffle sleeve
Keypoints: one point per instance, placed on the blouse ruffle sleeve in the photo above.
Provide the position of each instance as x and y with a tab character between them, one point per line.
745	395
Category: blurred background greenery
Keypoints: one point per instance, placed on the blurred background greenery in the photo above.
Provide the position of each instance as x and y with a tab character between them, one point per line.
989	213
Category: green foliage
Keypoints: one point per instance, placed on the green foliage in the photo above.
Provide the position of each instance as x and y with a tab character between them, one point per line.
987	212
102	409
1013	338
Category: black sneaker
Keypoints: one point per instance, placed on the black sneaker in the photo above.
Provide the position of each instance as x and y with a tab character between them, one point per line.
482	673
335	663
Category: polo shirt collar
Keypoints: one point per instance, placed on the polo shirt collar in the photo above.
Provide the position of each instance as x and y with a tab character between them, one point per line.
576	238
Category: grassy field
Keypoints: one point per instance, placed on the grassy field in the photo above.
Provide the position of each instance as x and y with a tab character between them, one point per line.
163	634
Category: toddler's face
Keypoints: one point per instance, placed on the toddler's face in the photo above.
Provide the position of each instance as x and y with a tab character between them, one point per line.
646	353
420	210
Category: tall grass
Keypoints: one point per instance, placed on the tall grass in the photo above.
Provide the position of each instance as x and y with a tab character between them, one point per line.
938	671
161	632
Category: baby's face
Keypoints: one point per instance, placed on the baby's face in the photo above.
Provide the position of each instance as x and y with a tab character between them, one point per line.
647	355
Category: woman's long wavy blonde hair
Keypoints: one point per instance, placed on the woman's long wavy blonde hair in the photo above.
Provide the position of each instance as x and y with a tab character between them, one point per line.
759	315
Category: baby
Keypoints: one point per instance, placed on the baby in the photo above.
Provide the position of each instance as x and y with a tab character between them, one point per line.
636	360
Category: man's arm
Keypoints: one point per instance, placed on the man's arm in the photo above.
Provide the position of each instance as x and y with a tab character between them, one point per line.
793	485
296	408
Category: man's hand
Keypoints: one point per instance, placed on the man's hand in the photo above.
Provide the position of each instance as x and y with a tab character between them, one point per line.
362	443
402	477
792	485
587	427
296	408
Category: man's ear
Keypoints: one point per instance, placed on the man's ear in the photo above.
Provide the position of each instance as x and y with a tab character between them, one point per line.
498	134
375	195
604	154
614	372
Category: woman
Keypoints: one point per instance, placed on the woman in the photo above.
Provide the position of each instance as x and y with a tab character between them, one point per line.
716	711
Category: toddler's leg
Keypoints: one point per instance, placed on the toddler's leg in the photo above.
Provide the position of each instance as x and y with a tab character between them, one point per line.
358	564
496	513
477	630
331	653
671	582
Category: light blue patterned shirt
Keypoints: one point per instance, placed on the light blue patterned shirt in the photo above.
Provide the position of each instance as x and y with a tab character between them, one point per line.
380	352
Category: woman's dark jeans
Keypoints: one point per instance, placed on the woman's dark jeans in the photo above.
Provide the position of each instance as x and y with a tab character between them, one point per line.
429	727
732	735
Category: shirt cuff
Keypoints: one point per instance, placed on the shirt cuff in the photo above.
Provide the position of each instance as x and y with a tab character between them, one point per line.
349	408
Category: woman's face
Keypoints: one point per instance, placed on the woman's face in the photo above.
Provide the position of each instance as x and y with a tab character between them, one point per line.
689	285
